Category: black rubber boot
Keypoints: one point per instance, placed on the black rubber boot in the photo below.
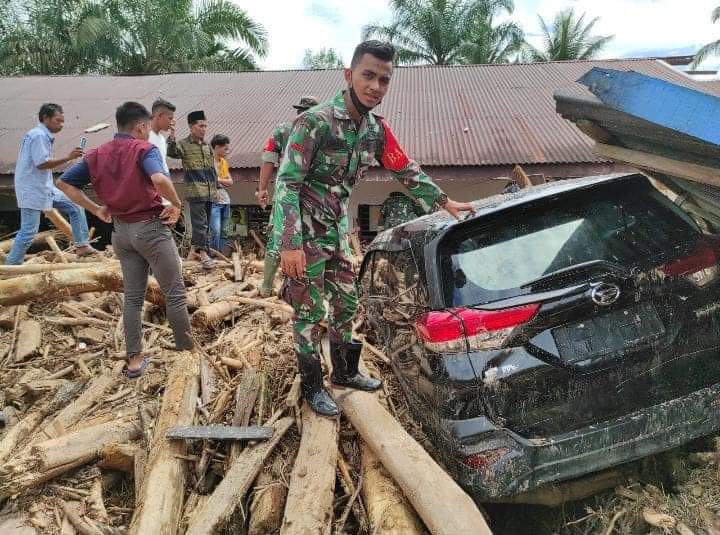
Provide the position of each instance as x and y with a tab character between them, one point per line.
313	390
345	359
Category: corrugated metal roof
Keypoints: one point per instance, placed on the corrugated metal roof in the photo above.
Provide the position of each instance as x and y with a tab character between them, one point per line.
473	115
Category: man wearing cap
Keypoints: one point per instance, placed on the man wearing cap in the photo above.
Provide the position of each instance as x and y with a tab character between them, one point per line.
329	149
272	152
200	181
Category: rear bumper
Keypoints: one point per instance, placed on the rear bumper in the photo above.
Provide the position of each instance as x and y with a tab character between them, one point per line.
531	463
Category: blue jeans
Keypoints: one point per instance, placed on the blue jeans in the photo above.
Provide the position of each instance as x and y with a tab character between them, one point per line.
30	223
219	219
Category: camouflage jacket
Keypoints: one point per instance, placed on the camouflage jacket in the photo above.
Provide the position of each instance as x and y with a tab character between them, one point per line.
326	154
396	210
199	167
275	144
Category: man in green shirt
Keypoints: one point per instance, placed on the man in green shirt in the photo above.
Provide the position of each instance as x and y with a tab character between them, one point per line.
329	149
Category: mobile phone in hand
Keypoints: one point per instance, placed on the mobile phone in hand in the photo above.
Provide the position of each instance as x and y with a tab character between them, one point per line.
83	142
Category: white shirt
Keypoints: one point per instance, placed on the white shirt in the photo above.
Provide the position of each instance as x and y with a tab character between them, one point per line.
161	143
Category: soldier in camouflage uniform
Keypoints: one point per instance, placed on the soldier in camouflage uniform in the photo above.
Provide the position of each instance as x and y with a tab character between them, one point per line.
274	147
397	209
329	149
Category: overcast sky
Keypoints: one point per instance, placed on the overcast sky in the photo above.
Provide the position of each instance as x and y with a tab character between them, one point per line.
641	27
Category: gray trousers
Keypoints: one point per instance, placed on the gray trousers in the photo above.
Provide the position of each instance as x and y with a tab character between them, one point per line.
200	212
141	247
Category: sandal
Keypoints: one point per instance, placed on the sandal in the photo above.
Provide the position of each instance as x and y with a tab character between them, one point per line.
134	374
208	263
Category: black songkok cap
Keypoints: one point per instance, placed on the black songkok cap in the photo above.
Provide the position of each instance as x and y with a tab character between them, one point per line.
195	116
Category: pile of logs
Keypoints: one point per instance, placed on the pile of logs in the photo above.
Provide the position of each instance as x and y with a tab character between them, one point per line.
204	441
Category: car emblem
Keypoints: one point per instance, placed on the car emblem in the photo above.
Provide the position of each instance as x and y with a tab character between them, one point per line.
605	294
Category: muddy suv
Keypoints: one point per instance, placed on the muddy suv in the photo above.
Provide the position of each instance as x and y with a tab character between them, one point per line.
562	330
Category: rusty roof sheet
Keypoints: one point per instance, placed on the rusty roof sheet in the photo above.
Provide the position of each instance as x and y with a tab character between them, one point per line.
476	115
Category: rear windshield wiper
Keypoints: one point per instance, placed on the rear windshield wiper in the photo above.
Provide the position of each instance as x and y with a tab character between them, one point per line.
579	268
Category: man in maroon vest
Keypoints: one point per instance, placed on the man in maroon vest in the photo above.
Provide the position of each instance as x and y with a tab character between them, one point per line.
128	177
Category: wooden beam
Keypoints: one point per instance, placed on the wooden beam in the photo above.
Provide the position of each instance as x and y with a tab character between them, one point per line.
309	507
438	499
220	432
659	164
211	515
163	491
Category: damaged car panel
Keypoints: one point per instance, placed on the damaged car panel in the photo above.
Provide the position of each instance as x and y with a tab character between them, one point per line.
558	332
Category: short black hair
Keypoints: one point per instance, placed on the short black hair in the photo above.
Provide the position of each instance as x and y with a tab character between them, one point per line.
129	114
49	110
219	139
379	49
162	103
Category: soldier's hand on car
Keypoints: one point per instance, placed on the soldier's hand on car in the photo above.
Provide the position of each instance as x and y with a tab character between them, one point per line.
74	154
293	263
454	208
263	198
103	214
170	214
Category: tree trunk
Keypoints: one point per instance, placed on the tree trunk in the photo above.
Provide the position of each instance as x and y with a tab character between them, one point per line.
60	223
84	444
57	285
161	498
309	509
29	339
268	504
438	499
210	516
6	245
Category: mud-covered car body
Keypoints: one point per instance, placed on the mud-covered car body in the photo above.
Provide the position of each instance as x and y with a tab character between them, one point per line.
562	330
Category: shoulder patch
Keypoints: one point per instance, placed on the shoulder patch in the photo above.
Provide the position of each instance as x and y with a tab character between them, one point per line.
393	156
297	147
270	145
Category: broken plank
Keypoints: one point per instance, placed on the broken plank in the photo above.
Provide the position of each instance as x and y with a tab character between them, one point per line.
220	432
245	397
213	514
29	339
309	508
237	270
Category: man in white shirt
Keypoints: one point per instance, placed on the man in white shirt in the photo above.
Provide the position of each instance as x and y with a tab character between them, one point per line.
163	119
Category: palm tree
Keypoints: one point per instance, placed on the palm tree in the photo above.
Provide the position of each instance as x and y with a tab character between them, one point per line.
325	58
711	49
131	37
436	31
568	38
490	43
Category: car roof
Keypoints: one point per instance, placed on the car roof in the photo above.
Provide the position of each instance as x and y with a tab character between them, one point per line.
441	220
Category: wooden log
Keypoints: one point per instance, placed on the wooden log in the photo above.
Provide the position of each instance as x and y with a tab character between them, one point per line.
237	270
441	503
312	483
6	245
60	223
220	432
281	307
73	412
161	498
257	239
29	339
84	444
245	397
55	249
268	503
76	520
58	285
29	269
213	514
19	432
389	512
210	315
119	457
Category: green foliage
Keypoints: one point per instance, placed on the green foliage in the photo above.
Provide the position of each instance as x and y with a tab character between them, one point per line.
127	36
325	58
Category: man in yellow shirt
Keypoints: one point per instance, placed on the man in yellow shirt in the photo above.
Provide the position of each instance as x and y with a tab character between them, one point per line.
220	214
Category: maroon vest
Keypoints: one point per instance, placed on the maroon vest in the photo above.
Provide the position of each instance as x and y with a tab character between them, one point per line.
118	177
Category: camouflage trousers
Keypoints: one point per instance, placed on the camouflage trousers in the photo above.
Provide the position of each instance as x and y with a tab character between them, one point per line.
272	247
329	275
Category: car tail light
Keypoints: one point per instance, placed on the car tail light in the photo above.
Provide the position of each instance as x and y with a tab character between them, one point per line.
452	329
700	268
483	459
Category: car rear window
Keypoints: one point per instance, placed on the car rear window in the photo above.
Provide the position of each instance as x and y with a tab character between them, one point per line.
624	223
